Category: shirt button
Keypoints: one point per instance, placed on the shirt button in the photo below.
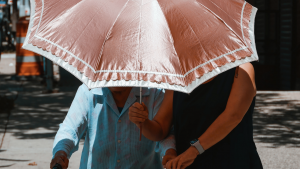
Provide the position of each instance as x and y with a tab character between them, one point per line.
119	141
118	161
119	121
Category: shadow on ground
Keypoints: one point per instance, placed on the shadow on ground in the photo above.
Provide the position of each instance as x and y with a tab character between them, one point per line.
36	114
39	112
277	119
4	166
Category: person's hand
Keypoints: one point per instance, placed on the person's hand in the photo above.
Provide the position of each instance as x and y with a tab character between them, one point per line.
183	160
138	113
170	154
60	158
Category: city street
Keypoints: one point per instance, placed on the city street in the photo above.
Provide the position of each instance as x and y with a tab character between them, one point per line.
33	123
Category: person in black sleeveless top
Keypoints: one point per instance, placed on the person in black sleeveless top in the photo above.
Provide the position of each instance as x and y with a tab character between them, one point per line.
213	124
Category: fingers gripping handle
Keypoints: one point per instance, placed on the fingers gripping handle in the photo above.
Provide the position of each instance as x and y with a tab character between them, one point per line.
57	166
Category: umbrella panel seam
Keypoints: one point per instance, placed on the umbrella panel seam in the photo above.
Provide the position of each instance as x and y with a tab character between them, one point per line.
199	42
139	37
242	17
40	18
222	21
171	37
110	30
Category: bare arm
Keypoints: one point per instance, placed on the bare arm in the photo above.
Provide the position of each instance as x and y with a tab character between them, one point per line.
240	98
158	128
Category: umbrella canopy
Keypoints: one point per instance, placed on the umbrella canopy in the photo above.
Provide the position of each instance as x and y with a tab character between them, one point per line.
175	45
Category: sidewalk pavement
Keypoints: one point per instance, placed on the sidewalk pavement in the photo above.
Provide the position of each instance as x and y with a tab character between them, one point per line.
277	129
36	116
34	120
33	124
8	64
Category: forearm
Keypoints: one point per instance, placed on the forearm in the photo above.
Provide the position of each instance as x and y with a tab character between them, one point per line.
152	130
171	151
158	128
168	144
239	101
63	142
61	152
219	129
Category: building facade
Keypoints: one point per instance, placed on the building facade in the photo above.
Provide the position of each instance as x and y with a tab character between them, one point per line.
277	35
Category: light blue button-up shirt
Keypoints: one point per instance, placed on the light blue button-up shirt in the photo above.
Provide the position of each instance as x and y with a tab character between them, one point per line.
111	139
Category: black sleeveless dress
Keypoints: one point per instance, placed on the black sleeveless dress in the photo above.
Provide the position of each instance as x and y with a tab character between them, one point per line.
193	113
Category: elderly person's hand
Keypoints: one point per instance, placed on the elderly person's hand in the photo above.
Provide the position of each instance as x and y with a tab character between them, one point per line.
60	158
183	160
170	154
138	113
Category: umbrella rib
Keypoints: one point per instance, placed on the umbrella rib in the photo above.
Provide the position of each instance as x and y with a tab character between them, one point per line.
40	18
83	31
110	30
222	20
139	35
191	28
171	37
221	8
242	17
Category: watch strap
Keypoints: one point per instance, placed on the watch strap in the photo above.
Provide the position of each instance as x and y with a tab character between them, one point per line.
198	147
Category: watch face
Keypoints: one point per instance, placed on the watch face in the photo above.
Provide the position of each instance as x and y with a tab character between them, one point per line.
194	141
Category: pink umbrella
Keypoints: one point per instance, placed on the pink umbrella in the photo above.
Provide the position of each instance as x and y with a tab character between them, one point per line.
174	45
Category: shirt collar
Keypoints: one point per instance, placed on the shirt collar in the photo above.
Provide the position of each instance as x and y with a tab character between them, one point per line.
134	93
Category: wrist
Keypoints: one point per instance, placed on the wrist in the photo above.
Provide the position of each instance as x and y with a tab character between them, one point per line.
61	153
196	144
194	150
171	151
146	122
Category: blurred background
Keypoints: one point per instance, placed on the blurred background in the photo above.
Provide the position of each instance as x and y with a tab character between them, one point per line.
35	94
277	30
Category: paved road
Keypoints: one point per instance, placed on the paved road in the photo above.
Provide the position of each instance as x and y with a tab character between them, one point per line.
34	121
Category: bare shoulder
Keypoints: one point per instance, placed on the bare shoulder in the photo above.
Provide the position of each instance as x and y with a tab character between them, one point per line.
169	92
248	67
168	98
246	76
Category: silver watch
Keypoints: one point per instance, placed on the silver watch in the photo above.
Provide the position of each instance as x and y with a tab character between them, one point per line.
198	146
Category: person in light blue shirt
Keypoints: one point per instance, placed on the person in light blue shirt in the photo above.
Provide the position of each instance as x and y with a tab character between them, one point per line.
111	139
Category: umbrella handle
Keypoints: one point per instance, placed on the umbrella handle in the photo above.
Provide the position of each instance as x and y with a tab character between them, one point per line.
140	132
140	123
